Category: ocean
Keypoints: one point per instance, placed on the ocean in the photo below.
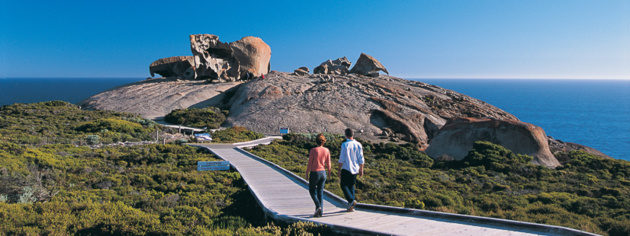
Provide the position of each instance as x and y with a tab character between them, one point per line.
594	113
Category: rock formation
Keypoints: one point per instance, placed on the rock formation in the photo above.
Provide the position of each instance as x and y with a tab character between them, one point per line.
385	107
338	66
455	139
240	60
157	97
368	65
301	71
253	55
180	66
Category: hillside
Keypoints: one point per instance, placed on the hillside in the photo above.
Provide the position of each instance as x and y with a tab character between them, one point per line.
53	183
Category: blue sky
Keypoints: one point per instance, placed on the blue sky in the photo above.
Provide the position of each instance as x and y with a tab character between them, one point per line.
413	39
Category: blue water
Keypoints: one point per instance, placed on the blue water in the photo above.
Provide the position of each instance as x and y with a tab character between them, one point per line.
595	113
75	90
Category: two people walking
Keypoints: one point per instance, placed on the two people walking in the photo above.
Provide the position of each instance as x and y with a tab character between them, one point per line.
350	164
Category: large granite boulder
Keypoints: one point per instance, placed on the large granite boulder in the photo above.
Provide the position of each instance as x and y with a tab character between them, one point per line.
213	59
253	55
223	62
368	65
455	139
180	66
338	66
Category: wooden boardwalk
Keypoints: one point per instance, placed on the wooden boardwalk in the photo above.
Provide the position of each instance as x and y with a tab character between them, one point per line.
284	197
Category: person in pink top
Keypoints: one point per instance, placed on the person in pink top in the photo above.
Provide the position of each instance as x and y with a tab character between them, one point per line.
318	163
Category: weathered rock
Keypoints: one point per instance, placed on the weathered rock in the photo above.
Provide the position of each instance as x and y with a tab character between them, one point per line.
301	71
368	65
157	97
224	62
338	66
214	60
180	66
455	139
375	105
253	55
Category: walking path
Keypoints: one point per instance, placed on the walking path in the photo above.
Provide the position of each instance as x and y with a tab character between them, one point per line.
284	197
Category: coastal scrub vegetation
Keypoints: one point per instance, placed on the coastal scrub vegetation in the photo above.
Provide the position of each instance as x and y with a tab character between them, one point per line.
587	193
235	134
53	184
209	117
65	123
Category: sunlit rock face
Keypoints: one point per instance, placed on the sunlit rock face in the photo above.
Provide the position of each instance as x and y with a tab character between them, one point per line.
224	62
179	67
455	139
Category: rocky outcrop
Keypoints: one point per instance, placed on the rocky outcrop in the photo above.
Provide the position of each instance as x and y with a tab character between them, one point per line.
455	139
180	67
214	60
157	97
368	65
338	66
380	108
225	62
301	71
252	55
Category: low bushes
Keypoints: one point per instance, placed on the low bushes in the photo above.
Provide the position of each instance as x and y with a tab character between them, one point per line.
209	117
587	193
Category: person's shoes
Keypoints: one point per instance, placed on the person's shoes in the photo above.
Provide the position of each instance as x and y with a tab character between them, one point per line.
318	213
352	205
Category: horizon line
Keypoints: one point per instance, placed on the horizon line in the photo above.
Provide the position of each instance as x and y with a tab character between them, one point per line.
395	75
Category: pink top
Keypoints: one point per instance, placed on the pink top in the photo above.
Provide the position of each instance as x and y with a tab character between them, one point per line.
318	159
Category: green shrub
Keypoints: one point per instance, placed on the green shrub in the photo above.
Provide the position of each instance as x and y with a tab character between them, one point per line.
235	134
587	193
209	117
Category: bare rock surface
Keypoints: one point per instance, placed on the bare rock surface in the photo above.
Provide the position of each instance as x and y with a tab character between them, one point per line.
379	108
368	65
157	97
226	62
339	66
455	139
179	66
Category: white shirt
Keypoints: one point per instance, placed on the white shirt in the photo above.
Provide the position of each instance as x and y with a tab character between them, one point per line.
351	156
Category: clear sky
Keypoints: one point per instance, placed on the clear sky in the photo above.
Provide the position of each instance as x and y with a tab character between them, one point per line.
413	39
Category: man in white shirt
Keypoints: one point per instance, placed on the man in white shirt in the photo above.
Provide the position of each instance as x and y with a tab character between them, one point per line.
350	165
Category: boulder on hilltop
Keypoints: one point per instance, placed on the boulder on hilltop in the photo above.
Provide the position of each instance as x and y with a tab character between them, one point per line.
301	71
455	139
368	65
338	66
179	66
214	60
224	62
